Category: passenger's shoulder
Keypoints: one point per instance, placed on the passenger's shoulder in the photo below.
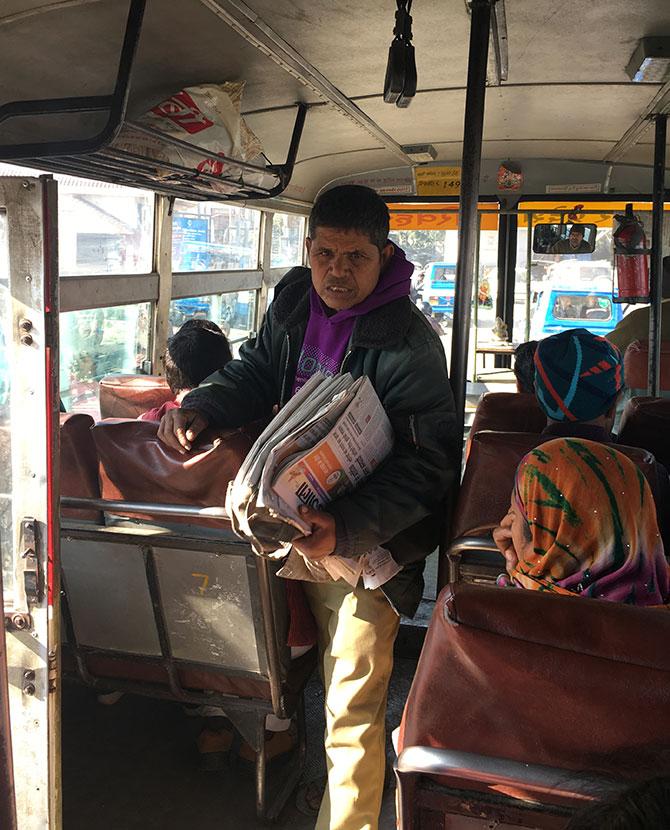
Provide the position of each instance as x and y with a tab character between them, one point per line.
292	287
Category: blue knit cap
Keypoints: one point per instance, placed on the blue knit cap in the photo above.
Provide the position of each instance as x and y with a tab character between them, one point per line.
577	375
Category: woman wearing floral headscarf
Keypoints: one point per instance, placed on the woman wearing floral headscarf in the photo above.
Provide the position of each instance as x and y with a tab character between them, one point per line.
582	520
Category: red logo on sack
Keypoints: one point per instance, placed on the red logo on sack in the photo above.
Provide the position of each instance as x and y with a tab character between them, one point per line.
183	111
212	166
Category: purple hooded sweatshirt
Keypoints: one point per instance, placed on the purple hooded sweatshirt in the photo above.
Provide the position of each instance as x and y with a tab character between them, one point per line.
326	338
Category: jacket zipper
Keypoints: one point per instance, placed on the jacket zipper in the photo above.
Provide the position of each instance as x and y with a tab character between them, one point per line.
282	394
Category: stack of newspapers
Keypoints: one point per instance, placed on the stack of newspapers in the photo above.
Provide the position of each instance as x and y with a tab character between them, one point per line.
329	437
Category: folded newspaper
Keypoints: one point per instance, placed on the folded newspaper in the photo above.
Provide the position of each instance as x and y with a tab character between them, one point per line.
330	436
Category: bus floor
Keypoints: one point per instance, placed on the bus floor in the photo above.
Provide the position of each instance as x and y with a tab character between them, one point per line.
132	766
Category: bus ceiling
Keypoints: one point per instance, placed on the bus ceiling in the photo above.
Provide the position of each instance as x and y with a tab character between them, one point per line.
564	122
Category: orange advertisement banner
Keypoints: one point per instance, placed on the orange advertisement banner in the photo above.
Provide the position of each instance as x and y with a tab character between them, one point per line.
600	213
433	221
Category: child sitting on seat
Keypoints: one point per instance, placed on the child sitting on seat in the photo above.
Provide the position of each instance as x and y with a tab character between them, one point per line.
195	352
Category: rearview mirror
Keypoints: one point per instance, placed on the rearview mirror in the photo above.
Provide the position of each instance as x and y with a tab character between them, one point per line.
575	238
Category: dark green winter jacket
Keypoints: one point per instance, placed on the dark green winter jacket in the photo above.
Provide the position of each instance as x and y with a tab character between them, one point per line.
400	506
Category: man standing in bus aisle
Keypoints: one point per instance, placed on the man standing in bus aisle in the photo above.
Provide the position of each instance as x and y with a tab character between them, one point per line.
574	244
351	312
635	326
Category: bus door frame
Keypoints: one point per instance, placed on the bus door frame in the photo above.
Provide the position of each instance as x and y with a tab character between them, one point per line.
31	604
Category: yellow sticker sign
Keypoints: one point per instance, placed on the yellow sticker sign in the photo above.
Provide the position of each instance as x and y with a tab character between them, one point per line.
437	181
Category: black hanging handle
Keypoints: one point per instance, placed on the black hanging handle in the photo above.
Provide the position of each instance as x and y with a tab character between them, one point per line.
400	81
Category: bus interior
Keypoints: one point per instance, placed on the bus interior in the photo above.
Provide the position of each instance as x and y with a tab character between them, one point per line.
158	162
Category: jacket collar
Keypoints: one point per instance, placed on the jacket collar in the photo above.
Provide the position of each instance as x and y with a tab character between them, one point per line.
383	328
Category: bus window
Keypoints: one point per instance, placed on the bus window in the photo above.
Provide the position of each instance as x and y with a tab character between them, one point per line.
210	236
288	234
103	228
98	342
234	312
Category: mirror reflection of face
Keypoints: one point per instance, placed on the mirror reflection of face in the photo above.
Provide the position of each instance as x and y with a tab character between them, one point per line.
575	238
345	265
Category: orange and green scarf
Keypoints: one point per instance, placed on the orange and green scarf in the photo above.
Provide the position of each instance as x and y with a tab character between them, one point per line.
593	524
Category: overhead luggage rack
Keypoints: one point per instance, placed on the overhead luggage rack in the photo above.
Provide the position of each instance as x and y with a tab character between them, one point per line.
95	156
119	166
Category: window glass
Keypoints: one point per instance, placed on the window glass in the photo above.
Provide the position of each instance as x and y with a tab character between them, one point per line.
98	342
234	312
581	307
102	228
287	239
208	236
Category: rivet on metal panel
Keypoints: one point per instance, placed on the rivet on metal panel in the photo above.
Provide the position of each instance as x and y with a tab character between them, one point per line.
29	689
29	278
17	622
27	185
27	339
29	674
25	324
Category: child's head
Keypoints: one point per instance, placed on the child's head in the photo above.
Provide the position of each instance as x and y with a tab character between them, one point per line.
195	352
642	806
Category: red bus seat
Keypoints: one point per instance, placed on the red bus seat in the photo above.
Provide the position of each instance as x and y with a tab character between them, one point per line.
507	412
636	365
182	611
128	396
135	465
573	683
78	463
646	423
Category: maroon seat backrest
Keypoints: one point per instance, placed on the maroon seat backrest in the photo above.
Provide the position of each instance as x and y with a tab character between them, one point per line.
489	476
507	412
646	423
636	365
571	682
136	466
128	396
78	463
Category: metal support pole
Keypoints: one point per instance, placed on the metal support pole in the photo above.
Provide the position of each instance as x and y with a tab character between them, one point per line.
467	214
529	267
656	271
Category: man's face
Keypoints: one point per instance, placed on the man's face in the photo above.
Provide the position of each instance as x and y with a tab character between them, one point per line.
575	238
345	266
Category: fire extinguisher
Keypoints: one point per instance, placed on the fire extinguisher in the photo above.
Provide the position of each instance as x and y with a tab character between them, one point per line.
630	258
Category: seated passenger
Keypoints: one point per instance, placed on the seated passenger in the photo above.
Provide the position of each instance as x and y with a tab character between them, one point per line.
524	366
193	353
582	521
578	381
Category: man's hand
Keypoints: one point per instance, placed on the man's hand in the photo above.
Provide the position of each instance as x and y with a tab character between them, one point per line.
321	542
180	427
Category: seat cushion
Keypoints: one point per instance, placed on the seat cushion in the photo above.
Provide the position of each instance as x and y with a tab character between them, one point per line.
129	396
78	463
135	465
646	423
570	682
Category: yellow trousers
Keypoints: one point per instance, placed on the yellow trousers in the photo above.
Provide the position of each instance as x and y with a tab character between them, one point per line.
357	630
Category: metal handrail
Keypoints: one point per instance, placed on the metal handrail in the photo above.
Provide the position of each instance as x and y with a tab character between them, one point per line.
501	772
72	502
